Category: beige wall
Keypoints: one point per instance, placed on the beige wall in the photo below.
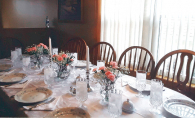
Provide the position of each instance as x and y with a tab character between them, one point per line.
32	14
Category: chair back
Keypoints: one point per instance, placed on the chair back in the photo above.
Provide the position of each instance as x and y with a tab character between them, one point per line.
102	51
137	58
9	44
77	45
176	70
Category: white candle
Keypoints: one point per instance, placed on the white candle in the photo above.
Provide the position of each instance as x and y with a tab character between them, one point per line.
50	46
87	57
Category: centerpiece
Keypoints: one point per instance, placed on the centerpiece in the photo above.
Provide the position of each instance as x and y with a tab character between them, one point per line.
63	61
37	51
107	77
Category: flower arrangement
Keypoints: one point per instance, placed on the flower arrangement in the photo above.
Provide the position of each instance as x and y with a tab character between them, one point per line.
62	60
37	49
108	74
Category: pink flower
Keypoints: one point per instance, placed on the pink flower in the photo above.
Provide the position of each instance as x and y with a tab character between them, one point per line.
29	50
101	68
115	67
111	63
108	73
44	46
66	64
106	70
41	44
60	58
95	69
54	55
34	48
71	60
111	77
64	55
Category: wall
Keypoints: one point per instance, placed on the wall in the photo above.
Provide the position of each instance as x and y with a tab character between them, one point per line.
19	14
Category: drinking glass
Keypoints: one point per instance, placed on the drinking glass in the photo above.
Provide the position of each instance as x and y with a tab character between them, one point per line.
55	51
74	62
14	56
100	63
115	103
156	95
49	75
19	50
26	63
140	82
81	91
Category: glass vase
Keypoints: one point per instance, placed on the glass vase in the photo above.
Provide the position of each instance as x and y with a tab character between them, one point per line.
63	72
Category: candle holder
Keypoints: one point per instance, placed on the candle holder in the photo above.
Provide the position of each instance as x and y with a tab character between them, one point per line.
89	88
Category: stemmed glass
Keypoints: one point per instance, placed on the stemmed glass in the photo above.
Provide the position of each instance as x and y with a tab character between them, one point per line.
140	82
156	95
81	91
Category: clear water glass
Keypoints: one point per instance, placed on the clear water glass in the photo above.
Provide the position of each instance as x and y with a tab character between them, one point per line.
140	82
74	63
49	75
19	50
81	91
26	63
100	63
115	103
14	56
55	51
156	96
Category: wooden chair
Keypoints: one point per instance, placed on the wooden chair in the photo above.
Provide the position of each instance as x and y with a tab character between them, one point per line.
102	51
76	45
9	44
137	58
173	66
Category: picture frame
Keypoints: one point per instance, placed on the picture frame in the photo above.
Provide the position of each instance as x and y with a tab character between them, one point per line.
70	11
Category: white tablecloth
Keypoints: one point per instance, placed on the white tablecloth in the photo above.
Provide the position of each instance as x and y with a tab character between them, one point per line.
93	103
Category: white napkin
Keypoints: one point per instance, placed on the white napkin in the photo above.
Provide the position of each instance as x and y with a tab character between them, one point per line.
49	106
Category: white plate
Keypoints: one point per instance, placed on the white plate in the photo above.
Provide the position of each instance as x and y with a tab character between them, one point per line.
33	95
132	83
82	64
12	78
180	108
69	112
5	67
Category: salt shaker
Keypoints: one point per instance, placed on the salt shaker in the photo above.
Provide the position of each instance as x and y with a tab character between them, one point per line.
128	107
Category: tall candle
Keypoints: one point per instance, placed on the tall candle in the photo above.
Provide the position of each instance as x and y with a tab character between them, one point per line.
87	57
50	48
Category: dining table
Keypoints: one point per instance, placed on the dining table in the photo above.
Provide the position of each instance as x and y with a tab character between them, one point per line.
95	107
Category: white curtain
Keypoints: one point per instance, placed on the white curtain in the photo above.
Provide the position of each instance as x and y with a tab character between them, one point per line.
126	23
161	26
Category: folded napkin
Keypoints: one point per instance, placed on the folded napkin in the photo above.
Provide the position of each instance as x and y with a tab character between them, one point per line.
49	106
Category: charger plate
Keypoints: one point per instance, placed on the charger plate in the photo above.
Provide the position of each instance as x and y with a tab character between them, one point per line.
5	67
12	78
180	108
69	112
33	95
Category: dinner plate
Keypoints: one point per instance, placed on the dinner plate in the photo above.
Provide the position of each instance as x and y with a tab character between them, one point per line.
33	95
70	112
12	78
5	67
132	84
180	108
82	64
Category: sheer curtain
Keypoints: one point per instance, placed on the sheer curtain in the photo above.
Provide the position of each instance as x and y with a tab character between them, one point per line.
126	23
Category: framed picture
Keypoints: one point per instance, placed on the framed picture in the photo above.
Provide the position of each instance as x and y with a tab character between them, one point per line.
70	11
